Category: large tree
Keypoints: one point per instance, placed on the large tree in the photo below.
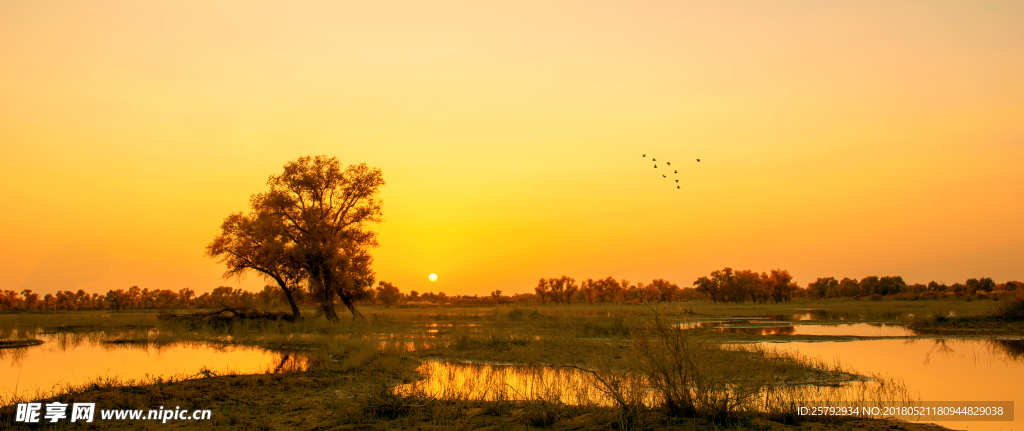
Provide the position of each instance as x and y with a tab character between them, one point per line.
311	226
325	212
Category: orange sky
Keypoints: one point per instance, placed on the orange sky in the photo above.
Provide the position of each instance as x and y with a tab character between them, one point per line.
865	138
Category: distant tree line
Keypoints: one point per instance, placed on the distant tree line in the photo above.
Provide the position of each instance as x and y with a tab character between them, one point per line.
564	290
135	298
725	285
829	287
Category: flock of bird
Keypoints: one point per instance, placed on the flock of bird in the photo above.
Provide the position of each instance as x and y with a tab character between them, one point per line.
674	171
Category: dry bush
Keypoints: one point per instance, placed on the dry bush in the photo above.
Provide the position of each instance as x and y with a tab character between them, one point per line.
694	376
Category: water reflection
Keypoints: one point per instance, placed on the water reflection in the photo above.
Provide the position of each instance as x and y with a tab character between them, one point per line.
766	327
489	382
909	369
407	343
406	346
756	330
492	382
806	314
1013	349
72	358
937	370
855	329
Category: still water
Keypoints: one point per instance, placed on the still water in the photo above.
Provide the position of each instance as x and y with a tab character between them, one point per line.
765	326
75	359
836	330
932	370
938	370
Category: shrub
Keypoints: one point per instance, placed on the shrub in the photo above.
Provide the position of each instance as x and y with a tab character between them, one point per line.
694	376
1012	309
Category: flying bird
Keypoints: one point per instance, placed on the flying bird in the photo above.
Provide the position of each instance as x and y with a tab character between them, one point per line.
663	176
668	163
698	160
645	154
676	172
653	159
655	165
677	187
677	181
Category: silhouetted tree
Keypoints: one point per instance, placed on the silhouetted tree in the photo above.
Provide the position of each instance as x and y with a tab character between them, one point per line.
824	287
848	287
746	284
185	296
559	290
727	285
869	285
782	285
388	294
9	300
890	285
31	299
667	292
1010	285
975	285
311	225
717	286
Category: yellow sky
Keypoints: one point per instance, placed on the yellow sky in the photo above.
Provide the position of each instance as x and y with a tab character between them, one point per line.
866	138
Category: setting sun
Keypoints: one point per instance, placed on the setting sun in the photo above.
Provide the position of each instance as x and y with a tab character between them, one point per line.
432	277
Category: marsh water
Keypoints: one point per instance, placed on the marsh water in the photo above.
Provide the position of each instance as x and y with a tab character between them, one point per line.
938	369
933	369
765	326
78	358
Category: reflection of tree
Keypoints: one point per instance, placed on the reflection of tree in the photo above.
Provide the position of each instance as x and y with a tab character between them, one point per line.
940	346
292	362
71	340
763	330
17	355
1012	349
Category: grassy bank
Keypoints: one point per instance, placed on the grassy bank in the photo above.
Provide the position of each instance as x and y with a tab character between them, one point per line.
1006	318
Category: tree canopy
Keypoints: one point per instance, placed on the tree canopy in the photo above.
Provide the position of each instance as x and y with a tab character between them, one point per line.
312	226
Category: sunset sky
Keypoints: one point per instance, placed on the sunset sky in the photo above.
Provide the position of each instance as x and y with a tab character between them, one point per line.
836	138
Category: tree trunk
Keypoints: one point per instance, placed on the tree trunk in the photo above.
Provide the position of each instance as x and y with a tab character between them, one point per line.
288	295
322	285
342	282
328	308
327	305
291	301
356	315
